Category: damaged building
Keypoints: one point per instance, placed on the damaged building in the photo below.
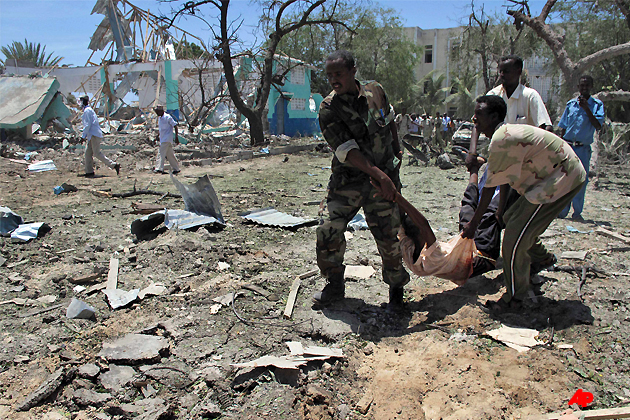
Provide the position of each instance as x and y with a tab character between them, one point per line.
142	68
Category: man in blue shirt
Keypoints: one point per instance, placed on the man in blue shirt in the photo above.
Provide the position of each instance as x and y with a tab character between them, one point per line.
582	116
92	132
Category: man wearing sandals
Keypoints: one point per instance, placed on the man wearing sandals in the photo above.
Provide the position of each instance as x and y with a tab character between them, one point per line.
547	174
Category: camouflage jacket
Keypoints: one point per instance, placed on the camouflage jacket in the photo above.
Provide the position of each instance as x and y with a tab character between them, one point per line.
364	118
538	164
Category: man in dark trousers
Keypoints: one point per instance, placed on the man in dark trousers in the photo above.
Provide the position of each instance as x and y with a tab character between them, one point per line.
582	116
357	121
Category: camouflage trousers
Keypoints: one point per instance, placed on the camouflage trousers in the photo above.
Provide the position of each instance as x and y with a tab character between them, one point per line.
383	219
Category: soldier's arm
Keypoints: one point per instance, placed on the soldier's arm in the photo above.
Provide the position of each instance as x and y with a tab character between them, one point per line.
359	161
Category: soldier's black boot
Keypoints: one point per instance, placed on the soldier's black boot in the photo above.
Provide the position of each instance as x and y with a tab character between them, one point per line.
396	299
332	292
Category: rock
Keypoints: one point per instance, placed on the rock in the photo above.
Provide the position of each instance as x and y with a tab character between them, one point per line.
344	411
86	397
210	410
47	388
364	404
146	405
89	371
135	348
79	310
444	162
211	374
117	377
21	359
318	395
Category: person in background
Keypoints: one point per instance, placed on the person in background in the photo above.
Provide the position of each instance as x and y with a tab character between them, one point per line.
582	116
94	135
166	124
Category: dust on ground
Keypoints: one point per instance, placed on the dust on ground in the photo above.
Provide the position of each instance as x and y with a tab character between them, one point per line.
434	361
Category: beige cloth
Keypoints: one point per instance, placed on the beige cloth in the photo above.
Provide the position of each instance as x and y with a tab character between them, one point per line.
166	152
93	150
452	260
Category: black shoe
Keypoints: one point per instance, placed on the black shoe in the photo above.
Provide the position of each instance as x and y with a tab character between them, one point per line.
176	172
87	175
332	292
536	268
157	171
117	168
396	299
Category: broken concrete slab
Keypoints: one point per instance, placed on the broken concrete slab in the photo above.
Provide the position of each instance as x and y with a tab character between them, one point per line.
79	310
116	377
136	408
48	387
154	289
135	348
89	371
87	397
119	298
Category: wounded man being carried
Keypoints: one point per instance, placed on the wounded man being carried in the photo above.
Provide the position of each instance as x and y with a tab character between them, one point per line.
458	259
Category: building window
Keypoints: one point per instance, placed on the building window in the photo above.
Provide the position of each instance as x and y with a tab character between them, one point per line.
428	53
298	104
297	75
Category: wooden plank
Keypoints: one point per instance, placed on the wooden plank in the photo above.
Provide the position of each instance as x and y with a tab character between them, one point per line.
112	276
85	279
604	414
308	274
611	234
288	310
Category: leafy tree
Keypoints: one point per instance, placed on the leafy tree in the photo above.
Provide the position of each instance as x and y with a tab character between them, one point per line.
189	50
463	93
488	38
375	37
599	38
31	52
307	13
429	94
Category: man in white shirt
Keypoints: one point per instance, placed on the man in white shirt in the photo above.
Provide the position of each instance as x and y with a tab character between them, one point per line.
524	105
166	123
92	132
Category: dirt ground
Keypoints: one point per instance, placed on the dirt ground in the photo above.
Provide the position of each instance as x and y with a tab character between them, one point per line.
432	362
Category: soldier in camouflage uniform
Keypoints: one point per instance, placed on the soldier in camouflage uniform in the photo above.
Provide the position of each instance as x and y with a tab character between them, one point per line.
358	123
547	174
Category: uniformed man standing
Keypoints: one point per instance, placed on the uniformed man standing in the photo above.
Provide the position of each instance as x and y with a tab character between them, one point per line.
357	122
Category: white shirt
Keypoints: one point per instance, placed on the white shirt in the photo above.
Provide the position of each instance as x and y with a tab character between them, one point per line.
166	124
525	106
90	124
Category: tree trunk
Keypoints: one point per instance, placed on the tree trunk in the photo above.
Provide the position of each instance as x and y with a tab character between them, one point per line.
256	130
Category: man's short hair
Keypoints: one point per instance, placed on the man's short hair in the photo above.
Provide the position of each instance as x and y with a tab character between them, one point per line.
343	55
85	100
518	61
588	78
494	103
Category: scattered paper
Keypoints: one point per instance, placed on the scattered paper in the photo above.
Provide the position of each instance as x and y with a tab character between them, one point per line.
154	289
359	271
574	255
520	339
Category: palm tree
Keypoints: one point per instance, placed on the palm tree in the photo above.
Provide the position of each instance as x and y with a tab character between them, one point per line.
31	52
428	92
462	94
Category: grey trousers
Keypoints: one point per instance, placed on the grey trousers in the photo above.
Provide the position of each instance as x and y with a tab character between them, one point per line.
93	150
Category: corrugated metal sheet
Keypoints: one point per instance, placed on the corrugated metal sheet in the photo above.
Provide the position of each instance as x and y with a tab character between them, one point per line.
272	217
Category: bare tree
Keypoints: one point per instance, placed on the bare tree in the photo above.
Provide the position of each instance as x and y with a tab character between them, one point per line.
319	12
571	68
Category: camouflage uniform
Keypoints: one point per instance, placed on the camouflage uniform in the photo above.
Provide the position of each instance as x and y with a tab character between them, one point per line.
365	119
547	174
